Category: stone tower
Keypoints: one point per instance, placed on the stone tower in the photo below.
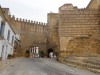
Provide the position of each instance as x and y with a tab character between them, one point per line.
52	29
78	30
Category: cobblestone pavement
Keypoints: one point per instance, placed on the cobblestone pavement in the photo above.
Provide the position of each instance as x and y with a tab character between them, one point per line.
39	66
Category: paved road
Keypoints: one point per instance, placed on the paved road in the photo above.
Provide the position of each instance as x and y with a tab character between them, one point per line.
35	66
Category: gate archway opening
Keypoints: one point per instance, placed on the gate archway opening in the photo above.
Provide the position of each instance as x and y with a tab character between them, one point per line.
50	50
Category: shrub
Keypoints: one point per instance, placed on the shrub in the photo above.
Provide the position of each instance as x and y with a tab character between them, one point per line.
10	56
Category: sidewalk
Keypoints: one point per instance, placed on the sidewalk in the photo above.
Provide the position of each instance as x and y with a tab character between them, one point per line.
7	62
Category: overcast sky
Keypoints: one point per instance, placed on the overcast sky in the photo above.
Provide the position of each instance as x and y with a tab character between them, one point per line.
37	10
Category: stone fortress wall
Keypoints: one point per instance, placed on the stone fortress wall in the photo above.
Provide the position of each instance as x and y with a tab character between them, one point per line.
94	4
72	31
32	33
78	30
52	29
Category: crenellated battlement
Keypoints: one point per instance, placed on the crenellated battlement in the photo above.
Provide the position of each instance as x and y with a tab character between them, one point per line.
26	21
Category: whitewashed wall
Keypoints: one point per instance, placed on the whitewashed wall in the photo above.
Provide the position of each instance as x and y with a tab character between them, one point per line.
8	46
9	43
0	40
0	21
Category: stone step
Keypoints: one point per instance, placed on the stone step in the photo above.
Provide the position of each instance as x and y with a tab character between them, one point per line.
95	62
89	66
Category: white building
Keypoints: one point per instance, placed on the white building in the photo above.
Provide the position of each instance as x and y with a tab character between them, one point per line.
7	37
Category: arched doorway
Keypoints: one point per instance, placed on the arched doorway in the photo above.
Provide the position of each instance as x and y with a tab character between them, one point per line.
50	50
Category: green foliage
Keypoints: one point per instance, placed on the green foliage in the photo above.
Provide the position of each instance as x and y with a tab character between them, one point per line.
27	51
10	56
41	53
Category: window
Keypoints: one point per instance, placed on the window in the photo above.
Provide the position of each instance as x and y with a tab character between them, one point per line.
8	36
2	53
12	39
2	28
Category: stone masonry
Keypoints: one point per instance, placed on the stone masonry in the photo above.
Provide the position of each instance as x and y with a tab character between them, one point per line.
52	29
32	33
94	4
72	31
78	30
